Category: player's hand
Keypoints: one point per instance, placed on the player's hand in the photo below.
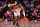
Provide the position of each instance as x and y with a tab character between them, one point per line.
15	2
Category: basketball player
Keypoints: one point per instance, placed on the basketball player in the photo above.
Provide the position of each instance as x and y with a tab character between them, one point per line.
6	8
16	11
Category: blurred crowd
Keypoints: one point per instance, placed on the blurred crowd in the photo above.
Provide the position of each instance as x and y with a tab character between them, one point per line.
31	7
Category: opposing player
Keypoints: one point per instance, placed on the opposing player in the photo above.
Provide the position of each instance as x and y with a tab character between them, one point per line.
16	11
5	8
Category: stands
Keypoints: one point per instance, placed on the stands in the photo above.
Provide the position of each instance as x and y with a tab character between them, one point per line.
29	7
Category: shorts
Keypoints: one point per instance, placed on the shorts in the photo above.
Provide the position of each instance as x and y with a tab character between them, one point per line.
16	13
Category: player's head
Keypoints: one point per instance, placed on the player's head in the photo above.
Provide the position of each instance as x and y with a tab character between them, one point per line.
19	4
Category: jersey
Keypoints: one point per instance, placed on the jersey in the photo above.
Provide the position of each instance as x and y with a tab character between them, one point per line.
17	11
4	9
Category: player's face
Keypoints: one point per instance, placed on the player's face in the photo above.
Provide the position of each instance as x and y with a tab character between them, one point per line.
19	5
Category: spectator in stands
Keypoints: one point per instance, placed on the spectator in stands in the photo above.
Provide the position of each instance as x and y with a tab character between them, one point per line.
34	14
1	3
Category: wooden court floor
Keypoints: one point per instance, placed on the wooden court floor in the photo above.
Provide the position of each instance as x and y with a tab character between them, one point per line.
22	24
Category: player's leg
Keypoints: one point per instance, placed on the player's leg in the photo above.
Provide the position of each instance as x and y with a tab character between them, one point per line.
18	18
15	18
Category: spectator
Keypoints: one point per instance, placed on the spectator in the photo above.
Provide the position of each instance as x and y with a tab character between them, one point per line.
1	3
34	15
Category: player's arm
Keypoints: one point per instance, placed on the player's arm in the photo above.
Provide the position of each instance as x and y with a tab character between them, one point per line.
23	11
15	8
9	5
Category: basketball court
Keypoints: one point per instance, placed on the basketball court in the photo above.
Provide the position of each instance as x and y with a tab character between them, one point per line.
22	24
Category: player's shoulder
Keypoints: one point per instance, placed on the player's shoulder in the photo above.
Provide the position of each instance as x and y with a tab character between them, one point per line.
16	6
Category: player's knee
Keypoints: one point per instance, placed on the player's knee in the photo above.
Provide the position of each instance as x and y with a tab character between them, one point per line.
18	18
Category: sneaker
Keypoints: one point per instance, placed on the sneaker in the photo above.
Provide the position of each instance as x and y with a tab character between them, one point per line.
18	24
14	23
